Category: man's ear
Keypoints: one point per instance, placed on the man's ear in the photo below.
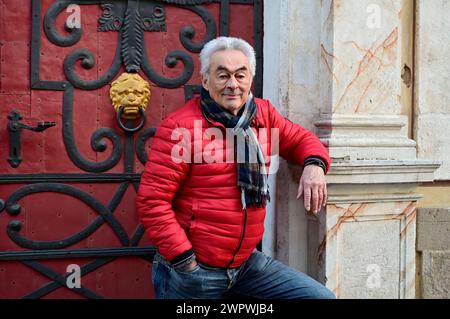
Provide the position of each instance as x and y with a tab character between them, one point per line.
205	83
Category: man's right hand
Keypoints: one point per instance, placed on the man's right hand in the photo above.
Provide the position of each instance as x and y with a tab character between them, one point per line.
191	266
188	267
313	187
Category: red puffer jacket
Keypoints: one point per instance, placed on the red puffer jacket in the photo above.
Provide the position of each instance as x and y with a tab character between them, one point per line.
197	206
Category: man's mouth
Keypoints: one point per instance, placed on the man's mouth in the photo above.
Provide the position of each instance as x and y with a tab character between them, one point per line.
231	96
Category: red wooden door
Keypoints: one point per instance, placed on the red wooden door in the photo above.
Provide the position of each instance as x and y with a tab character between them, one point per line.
67	193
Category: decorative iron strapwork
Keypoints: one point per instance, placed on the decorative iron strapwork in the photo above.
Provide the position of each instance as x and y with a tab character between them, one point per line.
130	19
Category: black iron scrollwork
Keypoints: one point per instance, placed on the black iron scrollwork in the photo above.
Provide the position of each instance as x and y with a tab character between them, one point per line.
131	18
132	38
88	62
142	139
187	33
134	19
14	227
171	61
112	16
50	30
153	16
96	140
61	281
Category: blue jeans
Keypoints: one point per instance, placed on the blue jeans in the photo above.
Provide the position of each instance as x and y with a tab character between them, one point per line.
259	277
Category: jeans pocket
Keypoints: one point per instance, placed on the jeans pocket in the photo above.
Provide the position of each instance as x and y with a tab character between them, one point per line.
159	279
187	272
189	281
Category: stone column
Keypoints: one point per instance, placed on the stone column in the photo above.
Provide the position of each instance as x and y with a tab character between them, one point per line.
336	68
363	244
432	87
432	120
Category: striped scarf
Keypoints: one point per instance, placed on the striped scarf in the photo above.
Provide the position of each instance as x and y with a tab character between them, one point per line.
251	169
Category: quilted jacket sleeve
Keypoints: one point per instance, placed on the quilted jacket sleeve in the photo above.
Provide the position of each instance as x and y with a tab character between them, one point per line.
160	181
295	142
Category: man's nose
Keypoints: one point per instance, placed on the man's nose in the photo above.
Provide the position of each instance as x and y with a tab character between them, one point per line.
232	83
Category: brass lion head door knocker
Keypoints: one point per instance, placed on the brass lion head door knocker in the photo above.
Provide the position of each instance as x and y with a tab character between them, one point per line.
130	95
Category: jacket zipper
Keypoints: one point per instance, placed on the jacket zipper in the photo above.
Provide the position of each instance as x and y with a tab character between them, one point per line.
241	241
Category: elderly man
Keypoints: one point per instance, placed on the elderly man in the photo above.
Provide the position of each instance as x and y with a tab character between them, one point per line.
206	216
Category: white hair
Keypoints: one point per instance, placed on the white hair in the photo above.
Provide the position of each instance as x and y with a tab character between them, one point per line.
222	44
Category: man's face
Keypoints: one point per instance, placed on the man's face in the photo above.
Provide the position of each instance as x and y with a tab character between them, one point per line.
229	79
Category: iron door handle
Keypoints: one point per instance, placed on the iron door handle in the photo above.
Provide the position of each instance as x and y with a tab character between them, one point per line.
14	128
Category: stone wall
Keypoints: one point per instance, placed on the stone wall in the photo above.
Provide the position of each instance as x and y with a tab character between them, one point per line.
433	249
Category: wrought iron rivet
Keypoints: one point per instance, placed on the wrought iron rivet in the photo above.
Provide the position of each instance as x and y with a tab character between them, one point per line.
86	63
15	225
14	209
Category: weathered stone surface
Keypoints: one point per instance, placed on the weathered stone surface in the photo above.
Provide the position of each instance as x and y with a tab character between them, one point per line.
433	70
432	83
433	229
433	141
436	274
373	272
366	250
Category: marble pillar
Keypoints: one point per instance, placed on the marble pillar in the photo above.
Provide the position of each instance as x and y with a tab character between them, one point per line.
363	244
340	67
432	83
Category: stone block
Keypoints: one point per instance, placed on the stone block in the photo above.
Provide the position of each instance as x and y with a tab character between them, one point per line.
433	141
436	274
433	229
